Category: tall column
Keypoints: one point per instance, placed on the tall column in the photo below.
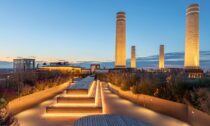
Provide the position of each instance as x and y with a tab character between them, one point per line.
133	57
192	54
161	57
120	49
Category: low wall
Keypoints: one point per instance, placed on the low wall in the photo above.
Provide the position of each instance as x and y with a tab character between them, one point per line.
198	118
19	104
177	110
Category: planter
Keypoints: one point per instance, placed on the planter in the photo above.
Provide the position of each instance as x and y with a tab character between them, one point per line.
177	110
19	104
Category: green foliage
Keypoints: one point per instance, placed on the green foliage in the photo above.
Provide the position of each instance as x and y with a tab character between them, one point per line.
124	87
24	83
3	102
171	86
138	83
135	89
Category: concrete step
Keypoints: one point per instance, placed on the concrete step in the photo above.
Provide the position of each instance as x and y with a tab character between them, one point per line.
76	100
72	110
77	91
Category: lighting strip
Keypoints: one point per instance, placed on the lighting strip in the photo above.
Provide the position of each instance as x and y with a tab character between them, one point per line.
69	115
103	99
91	88
74	105
83	96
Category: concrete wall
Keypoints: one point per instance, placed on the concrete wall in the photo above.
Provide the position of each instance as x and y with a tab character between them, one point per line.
19	104
177	110
197	118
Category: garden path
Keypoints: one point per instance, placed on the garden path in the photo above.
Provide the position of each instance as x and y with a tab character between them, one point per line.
113	105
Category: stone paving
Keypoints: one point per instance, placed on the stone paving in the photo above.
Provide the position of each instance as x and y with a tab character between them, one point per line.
113	104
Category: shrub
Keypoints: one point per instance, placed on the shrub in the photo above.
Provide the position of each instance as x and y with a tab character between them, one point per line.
27	89
135	89
3	102
125	87
146	88
171	86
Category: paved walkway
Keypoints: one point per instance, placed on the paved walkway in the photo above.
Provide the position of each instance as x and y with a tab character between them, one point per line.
119	106
109	120
113	105
82	84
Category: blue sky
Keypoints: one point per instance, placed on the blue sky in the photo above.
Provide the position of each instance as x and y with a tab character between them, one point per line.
84	30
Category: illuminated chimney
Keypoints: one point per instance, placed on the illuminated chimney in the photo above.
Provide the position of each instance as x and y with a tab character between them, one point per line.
120	49
161	57
192	55
133	57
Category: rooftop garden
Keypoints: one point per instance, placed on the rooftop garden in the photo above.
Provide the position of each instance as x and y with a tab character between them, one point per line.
25	83
170	86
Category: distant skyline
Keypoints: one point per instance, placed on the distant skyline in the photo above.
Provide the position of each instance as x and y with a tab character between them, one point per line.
175	59
84	30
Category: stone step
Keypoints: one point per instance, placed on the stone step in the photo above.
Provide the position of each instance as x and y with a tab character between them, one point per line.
72	110
77	91
76	100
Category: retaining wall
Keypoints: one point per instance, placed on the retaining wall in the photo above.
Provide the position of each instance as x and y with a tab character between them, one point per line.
19	104
177	110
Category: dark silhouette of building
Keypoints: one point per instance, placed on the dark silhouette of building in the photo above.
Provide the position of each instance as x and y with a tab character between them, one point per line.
23	65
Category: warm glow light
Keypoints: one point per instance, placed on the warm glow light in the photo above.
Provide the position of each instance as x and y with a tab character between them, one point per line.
98	101
126	107
161	57
192	56
133	57
74	105
70	96
120	48
92	89
95	88
103	99
65	68
69	115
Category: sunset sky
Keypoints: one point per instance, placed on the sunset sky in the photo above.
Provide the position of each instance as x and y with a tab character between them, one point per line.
84	30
